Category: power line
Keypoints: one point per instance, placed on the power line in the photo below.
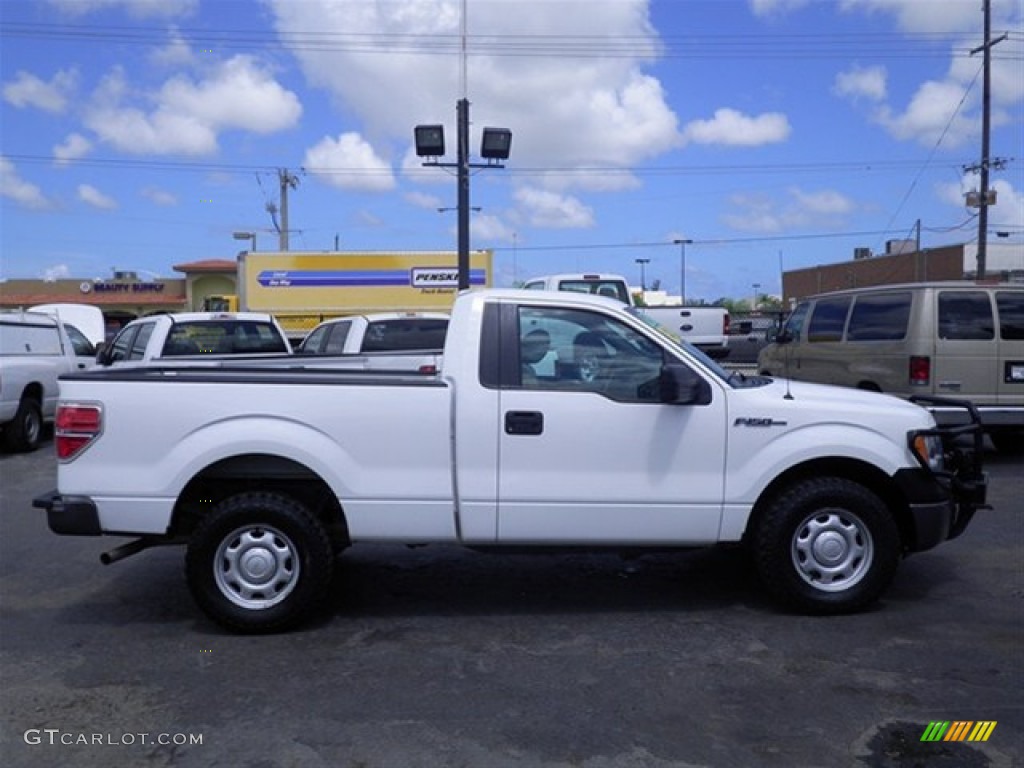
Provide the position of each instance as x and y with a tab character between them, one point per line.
667	46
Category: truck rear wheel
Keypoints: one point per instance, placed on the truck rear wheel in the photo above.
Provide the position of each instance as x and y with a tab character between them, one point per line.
827	545
25	430
259	562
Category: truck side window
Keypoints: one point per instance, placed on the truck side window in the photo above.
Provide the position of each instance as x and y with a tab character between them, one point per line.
965	315
138	350
336	338
581	351
828	319
879	317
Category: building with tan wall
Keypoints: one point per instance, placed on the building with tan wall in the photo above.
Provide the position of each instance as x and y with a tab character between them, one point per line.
124	296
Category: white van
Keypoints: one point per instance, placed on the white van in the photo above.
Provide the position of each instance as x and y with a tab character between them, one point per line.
961	340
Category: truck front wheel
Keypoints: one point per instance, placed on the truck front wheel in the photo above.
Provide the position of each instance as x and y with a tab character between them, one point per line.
259	562
827	545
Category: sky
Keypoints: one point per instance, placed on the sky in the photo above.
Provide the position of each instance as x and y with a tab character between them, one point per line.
770	134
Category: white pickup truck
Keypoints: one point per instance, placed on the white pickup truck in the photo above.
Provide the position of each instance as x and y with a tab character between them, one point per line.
382	341
706	327
35	349
558	420
193	334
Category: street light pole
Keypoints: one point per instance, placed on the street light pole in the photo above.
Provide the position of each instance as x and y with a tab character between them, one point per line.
643	275
462	118
682	268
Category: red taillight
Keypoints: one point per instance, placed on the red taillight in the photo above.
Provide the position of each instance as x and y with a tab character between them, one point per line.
920	370
75	427
725	324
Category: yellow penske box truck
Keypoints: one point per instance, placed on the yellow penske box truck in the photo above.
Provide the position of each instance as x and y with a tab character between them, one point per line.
301	289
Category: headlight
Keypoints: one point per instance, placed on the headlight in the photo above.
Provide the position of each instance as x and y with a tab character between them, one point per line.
928	449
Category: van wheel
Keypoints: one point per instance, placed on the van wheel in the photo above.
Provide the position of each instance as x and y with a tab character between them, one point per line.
827	545
259	562
25	430
1008	442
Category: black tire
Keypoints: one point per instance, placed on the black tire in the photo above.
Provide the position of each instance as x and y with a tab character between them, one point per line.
1008	442
25	430
259	562
827	545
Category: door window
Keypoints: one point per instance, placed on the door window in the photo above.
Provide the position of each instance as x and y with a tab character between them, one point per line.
828	319
580	351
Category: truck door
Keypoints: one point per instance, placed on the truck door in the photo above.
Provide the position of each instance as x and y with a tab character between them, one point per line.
587	452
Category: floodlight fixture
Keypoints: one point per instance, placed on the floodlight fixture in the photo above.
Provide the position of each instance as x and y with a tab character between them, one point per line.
429	140
496	144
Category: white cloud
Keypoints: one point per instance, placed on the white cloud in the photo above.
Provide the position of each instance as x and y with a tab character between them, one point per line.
140	9
56	272
22	192
924	16
765	215
861	82
563	111
89	195
544	208
490	229
241	95
932	114
159	196
349	162
27	90
1008	210
733	128
187	117
72	148
176	52
423	200
775	7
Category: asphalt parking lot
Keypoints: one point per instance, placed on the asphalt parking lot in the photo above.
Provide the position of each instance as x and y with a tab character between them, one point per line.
443	657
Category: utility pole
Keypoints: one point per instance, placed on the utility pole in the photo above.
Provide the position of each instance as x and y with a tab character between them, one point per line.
285	180
986	108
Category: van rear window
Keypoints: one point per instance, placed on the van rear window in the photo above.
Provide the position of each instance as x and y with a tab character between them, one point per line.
879	317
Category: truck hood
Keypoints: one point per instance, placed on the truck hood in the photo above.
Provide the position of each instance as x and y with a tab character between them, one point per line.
846	404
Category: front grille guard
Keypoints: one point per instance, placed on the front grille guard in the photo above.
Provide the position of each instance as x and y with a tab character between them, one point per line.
963	448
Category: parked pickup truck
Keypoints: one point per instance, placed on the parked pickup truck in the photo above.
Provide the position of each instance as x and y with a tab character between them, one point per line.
35	349
558	420
407	341
706	327
194	334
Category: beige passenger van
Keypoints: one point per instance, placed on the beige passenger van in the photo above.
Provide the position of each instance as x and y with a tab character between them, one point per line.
961	340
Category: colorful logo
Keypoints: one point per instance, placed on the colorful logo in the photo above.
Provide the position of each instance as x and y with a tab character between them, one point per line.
958	730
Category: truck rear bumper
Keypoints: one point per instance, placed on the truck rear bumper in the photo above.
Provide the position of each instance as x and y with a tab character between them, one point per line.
70	515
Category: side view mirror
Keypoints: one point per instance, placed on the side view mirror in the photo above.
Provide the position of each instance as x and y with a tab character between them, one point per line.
780	336
680	385
103	356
